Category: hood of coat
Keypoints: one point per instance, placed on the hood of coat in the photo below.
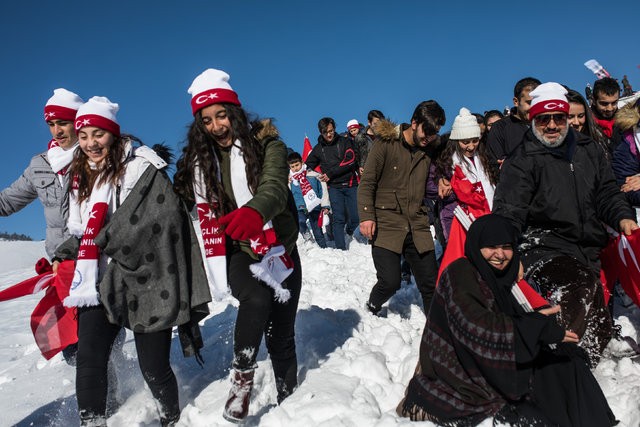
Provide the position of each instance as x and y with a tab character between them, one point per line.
265	129
628	116
387	131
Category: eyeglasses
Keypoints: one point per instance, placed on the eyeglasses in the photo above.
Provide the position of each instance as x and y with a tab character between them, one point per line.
329	132
544	119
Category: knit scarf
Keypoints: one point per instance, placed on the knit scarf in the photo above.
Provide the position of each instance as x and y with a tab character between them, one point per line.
59	158
83	291
274	267
474	172
605	125
310	197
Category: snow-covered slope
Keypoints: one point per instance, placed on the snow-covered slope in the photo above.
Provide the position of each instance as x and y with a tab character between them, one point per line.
353	367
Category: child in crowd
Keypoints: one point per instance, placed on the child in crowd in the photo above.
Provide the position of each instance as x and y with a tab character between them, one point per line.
307	193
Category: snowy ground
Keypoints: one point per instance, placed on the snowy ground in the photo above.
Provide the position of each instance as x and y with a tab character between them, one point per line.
353	367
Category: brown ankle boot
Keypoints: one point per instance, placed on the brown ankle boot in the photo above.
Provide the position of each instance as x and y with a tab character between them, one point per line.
237	406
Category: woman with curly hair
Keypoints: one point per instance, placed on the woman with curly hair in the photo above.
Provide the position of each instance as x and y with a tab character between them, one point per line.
234	174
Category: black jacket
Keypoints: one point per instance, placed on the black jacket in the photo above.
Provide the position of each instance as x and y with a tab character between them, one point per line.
338	159
559	200
364	141
504	138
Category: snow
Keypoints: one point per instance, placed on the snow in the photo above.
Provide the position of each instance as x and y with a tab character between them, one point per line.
353	367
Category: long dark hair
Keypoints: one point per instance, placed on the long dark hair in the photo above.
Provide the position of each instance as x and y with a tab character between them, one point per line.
444	162
202	149
109	171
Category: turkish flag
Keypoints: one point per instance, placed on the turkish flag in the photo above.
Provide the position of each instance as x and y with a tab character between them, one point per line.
307	148
54	326
455	246
620	259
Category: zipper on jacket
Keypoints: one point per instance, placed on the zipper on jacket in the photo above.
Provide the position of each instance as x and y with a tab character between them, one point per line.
118	197
575	191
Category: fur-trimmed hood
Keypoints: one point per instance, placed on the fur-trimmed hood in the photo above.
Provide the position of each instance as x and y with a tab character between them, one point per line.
387	131
265	129
628	116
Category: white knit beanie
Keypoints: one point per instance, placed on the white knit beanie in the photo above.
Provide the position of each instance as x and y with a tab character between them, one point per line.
99	112
465	126
353	123
550	97
63	105
211	87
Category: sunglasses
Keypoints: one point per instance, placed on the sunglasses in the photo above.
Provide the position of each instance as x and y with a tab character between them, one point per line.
544	119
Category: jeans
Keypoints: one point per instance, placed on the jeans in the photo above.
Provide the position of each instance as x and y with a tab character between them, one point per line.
344	204
313	221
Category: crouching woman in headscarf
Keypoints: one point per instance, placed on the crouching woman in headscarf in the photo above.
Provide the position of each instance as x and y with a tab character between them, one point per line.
135	264
483	354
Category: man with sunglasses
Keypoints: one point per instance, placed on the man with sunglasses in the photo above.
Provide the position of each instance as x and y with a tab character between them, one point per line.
390	203
558	190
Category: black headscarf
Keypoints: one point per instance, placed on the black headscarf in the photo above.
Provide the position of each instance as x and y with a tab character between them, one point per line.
493	230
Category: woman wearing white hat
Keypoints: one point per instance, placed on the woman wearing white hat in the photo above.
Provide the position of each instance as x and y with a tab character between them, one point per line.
235	175
132	262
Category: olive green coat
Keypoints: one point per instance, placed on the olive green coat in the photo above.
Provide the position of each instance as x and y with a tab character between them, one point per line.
392	190
273	199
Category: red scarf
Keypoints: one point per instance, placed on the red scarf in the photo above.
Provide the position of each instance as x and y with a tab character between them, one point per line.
606	126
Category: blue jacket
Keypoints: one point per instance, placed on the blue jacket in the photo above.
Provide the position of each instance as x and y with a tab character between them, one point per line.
625	163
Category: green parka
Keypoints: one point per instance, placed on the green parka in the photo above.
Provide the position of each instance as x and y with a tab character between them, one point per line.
273	199
392	190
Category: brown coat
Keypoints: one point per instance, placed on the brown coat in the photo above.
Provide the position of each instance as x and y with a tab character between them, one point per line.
392	190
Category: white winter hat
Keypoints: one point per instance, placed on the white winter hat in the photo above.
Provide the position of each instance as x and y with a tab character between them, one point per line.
548	97
63	105
353	123
99	112
465	126
211	87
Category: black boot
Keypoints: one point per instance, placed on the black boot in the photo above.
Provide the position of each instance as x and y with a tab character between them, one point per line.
237	407
170	421
92	420
286	374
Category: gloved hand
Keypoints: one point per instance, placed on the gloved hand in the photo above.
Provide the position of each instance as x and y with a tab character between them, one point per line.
242	223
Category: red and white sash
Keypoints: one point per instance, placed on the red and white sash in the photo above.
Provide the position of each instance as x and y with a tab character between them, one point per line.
310	197
83	291
475	173
274	267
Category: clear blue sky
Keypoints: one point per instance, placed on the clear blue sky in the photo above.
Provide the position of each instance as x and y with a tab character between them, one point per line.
295	61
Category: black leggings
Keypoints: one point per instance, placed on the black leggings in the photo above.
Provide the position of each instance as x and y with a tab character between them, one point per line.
259	313
95	338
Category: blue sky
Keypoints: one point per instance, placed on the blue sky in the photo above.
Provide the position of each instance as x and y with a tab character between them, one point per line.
295	61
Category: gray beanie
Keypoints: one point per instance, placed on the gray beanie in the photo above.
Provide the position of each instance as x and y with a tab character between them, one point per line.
465	126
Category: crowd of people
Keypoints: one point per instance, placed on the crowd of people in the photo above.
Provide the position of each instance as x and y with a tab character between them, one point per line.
516	201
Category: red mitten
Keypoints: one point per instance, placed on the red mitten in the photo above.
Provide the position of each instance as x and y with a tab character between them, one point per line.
43	266
243	223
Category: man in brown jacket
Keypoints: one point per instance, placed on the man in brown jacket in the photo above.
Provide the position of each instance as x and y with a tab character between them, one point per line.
390	203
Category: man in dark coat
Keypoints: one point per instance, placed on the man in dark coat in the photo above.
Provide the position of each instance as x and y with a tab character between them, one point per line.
606	94
558	189
390	203
507	133
364	140
337	157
